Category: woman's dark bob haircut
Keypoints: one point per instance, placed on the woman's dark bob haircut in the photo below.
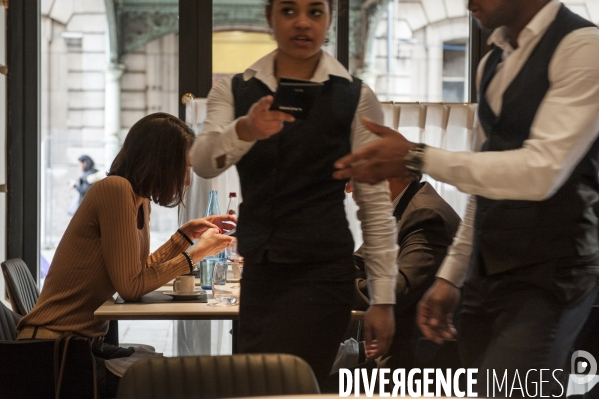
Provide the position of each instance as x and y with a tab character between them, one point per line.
154	158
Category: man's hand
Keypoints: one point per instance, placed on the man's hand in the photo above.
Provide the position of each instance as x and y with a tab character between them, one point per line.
260	122
383	158
379	328
435	311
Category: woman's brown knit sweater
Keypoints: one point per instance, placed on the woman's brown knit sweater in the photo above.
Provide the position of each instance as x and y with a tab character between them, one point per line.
102	252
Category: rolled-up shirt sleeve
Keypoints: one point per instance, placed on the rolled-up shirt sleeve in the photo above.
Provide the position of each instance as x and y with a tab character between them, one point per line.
375	212
218	139
455	265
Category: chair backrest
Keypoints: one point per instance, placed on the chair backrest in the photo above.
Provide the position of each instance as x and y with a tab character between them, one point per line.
22	290
218	377
8	323
27	369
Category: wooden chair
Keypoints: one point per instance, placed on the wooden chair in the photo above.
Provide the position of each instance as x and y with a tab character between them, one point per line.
218	377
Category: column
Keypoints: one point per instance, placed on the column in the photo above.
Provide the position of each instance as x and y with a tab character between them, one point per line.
112	112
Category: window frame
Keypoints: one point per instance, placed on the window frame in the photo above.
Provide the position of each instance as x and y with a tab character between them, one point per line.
23	133
23	99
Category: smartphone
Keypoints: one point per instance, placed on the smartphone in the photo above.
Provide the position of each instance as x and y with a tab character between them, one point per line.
231	232
296	97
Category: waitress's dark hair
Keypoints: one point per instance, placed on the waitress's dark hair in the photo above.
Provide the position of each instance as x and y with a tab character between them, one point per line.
331	3
154	158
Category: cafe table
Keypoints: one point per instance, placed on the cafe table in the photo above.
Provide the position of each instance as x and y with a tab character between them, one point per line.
176	310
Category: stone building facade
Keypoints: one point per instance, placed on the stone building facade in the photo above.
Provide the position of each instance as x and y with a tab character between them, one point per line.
107	63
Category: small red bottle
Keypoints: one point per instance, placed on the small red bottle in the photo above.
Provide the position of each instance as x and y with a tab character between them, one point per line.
232	207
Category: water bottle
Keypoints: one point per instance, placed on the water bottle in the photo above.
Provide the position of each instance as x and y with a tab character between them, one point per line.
232	207
207	264
213	208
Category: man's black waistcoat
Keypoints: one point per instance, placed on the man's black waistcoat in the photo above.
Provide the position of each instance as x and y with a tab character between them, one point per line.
292	209
512	234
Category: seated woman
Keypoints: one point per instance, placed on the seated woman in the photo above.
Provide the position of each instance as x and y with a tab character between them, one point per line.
106	247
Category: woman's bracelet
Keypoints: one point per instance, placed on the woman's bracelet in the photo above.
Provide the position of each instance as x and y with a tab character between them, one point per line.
185	236
188	260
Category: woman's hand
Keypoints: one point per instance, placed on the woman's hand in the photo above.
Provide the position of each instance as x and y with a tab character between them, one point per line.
196	227
211	243
223	222
260	122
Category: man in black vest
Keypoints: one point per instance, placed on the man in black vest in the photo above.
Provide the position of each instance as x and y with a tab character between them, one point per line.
526	253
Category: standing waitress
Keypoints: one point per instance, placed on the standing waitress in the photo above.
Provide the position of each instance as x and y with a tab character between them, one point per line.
296	291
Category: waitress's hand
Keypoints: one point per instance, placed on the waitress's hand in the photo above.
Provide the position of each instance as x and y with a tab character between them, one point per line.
260	122
379	328
211	243
196	227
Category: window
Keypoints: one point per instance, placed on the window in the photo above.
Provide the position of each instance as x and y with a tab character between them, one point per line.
455	71
401	49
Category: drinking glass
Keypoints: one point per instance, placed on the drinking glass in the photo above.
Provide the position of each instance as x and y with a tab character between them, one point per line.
206	270
223	294
231	251
234	258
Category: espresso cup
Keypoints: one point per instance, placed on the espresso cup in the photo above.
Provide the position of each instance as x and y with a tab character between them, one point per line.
184	285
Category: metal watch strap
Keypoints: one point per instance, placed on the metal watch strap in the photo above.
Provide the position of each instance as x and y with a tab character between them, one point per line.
414	159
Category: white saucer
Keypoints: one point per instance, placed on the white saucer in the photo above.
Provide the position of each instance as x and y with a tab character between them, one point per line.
193	295
233	280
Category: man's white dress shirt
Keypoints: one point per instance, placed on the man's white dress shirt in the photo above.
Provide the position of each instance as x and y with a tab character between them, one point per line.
565	126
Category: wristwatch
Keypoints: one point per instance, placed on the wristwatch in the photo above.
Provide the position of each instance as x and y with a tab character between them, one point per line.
414	159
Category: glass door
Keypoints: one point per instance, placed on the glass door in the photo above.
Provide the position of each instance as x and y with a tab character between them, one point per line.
104	65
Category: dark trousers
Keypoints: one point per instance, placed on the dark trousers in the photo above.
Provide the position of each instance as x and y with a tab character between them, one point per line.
522	321
300	309
108	383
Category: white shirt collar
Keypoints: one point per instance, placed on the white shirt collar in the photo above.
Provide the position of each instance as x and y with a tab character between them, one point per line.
263	70
537	26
